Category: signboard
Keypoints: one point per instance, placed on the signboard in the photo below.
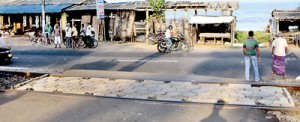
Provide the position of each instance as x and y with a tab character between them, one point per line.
100	9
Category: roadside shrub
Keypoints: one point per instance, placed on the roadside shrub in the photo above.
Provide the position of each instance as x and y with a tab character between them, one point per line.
260	36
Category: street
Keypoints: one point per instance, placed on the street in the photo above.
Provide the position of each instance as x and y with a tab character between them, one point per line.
136	61
202	61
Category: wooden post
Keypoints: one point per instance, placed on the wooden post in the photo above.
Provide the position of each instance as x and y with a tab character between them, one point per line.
215	41
1	21
147	24
104	33
232	32
30	22
174	15
9	22
72	22
111	18
186	14
63	20
277	26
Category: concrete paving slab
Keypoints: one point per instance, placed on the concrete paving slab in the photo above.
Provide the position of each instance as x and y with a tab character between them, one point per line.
206	93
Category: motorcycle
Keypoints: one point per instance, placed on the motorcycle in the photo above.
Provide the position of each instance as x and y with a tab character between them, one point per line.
154	38
179	43
5	55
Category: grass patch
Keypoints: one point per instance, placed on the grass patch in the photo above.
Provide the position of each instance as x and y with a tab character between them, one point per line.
260	36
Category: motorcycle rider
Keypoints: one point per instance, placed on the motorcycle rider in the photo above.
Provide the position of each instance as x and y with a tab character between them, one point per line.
169	34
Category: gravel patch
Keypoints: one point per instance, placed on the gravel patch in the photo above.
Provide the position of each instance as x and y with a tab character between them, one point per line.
289	116
7	80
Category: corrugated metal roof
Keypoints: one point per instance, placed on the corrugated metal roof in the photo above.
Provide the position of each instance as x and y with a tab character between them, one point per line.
286	14
30	9
91	5
211	19
29	2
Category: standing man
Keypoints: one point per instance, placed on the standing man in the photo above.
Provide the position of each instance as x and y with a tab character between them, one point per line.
74	36
68	31
88	36
48	30
57	34
251	54
279	50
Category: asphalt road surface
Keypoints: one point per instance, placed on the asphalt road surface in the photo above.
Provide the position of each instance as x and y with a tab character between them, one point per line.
216	62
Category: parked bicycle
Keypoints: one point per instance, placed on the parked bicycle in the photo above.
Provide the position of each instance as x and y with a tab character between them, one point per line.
80	42
41	39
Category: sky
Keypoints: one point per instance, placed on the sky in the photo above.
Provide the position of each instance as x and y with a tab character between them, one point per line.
112	1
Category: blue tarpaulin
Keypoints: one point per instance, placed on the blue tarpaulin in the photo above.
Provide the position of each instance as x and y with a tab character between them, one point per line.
32	8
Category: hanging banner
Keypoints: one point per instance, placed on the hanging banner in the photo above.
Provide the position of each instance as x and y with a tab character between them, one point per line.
100	9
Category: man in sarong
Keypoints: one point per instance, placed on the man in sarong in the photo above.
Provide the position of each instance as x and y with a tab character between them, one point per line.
279	50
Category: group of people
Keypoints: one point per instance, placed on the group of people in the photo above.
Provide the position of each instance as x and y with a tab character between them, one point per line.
252	54
71	35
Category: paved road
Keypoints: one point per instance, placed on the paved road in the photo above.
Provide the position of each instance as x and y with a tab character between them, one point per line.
43	107
216	62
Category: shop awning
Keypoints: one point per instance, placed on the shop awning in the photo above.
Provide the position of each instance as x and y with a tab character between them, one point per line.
32	8
211	19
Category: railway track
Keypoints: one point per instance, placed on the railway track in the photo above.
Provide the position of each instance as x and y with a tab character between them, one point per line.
293	88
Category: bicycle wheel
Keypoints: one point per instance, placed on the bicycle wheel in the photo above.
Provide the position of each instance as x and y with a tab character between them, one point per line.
80	43
95	43
43	41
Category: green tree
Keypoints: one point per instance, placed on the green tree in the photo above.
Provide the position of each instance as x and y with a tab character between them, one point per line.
157	6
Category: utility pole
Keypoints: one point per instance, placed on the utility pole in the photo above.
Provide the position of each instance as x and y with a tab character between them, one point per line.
43	16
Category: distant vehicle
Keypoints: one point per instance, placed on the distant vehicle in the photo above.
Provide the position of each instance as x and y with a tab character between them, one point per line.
5	55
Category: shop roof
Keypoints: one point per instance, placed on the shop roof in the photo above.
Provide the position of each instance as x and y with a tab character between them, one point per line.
211	19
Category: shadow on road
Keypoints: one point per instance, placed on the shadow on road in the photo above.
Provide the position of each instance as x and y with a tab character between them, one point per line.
140	62
98	65
46	58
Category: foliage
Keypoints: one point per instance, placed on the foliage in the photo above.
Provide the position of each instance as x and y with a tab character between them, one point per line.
157	7
260	36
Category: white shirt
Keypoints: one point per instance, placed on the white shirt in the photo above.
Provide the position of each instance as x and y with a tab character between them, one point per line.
168	33
2	43
68	32
89	30
280	44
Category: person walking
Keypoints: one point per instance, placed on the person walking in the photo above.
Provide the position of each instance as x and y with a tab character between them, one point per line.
74	36
68	31
57	34
251	54
279	50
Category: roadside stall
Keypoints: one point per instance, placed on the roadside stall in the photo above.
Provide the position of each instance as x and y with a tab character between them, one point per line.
216	28
288	23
